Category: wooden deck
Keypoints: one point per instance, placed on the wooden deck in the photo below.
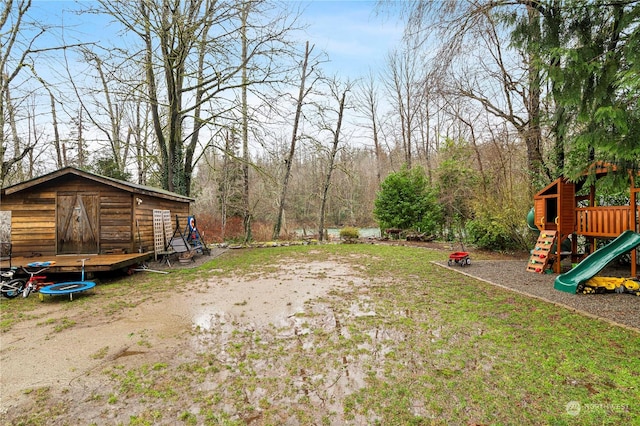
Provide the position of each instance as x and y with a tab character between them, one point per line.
73	263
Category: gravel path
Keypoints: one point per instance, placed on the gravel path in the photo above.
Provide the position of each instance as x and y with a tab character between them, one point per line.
620	309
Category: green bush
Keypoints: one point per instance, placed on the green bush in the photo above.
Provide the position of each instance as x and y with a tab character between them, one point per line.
349	234
406	201
490	233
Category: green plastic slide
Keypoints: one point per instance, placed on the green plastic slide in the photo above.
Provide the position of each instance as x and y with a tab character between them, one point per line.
596	261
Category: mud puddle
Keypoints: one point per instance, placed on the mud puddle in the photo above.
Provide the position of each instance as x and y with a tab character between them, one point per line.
71	362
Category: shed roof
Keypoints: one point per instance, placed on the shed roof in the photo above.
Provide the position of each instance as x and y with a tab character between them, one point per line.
123	185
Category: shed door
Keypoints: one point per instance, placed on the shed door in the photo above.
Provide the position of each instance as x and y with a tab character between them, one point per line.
77	223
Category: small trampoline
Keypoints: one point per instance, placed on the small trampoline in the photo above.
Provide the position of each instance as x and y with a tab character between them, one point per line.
67	288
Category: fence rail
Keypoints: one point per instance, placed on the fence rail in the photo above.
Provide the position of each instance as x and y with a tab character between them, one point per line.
604	221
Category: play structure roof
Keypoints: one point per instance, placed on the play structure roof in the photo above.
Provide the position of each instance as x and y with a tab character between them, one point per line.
598	170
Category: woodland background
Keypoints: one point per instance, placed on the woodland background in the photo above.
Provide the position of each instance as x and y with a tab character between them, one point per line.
222	101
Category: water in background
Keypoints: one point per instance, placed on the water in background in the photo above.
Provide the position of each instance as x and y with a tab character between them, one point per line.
334	233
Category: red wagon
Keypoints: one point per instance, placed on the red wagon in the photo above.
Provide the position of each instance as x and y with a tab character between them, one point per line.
459	258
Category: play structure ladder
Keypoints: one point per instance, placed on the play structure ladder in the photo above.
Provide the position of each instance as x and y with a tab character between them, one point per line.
542	252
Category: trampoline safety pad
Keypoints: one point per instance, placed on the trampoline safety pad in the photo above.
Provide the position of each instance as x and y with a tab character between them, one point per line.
67	288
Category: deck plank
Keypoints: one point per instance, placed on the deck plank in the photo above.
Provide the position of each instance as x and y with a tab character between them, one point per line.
73	263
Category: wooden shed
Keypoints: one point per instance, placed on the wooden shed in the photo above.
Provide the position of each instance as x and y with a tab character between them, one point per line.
71	212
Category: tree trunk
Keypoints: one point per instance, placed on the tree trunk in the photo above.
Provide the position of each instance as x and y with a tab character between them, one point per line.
81	155
331	165
56	134
374	129
533	133
292	147
246	211
140	149
154	105
225	184
17	146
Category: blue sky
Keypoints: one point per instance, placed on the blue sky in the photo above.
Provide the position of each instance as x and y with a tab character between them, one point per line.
350	32
355	37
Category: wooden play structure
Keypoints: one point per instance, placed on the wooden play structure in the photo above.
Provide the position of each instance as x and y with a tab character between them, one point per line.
558	210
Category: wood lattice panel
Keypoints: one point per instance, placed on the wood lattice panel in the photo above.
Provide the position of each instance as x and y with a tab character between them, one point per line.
168	230
158	232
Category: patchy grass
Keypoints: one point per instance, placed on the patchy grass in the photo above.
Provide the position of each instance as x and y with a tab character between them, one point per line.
101	353
13	311
416	344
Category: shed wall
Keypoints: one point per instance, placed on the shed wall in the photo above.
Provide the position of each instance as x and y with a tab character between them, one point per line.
144	218
32	222
33	218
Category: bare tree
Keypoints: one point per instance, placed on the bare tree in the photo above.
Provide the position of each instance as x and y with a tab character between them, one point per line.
461	27
192	58
62	161
21	40
303	91
404	85
338	94
18	152
469	119
246	213
230	185
107	112
11	20
368	102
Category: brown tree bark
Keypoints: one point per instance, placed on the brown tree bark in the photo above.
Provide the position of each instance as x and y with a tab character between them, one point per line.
302	93
341	97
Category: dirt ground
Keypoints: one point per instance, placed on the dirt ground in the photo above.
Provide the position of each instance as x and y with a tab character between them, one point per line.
41	354
47	354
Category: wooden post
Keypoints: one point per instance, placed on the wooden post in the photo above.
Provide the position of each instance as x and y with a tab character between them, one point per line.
634	221
592	203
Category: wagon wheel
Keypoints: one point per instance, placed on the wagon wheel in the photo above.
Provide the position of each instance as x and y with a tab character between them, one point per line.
450	262
468	261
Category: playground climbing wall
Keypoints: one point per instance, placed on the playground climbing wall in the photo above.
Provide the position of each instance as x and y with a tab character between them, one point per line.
542	252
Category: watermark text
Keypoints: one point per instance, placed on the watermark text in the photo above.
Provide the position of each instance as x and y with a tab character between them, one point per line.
574	408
